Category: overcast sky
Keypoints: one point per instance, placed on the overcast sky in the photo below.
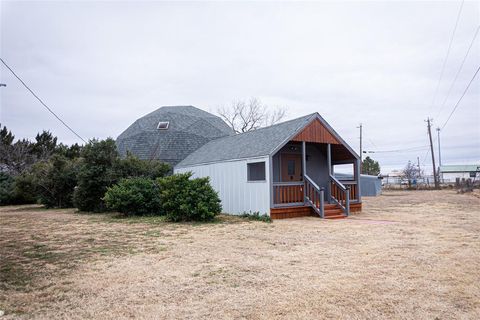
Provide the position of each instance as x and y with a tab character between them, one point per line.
101	65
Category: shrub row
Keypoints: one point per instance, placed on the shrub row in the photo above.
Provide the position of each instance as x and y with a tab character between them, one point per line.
78	179
101	167
177	197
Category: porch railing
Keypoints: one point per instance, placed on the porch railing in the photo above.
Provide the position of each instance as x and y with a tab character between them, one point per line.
288	193
353	186
340	194
314	196
307	192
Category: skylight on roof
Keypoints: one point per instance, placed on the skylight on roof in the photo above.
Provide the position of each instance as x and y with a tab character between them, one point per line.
163	125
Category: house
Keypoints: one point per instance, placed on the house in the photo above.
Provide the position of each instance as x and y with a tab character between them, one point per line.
285	170
171	133
449	173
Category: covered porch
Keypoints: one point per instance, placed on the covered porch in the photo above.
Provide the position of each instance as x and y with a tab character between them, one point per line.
303	177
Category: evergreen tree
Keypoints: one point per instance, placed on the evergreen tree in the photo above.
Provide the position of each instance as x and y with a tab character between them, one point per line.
370	167
44	145
96	174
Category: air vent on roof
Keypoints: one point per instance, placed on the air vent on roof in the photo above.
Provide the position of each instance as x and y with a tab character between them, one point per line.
163	125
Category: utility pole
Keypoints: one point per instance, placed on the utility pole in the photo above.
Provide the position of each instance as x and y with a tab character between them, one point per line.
439	153
418	165
361	149
435	178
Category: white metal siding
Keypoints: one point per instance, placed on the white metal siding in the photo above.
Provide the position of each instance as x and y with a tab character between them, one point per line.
452	176
229	179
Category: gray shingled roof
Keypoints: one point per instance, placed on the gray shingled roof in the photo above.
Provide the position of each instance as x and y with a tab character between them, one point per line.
189	129
255	143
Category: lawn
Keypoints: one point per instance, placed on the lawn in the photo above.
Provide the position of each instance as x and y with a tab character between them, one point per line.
407	255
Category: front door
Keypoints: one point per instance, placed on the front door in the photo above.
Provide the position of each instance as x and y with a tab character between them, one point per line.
291	167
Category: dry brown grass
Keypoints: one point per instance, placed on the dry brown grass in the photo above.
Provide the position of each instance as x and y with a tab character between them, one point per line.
409	255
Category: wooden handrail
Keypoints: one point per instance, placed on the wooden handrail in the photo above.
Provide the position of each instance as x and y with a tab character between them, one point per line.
342	196
338	183
312	182
347	182
314	196
291	183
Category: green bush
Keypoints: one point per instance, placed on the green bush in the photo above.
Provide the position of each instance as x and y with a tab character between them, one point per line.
131	167
95	174
256	216
7	189
135	196
101	167
24	189
55	181
185	199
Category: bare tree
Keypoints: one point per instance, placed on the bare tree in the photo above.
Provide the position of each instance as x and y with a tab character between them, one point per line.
17	157
245	116
411	173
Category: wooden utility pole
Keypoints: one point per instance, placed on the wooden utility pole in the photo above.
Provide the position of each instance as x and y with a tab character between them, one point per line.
361	149
435	178
418	165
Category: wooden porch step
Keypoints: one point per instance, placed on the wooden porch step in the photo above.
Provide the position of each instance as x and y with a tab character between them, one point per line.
333	212
330	206
341	216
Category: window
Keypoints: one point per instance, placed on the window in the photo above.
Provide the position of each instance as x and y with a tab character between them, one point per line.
256	171
163	125
291	167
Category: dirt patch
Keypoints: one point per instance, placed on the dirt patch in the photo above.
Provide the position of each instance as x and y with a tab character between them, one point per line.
407	255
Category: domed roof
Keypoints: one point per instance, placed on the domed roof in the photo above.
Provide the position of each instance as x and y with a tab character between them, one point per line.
170	134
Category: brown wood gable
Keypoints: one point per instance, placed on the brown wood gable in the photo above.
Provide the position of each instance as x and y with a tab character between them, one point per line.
316	132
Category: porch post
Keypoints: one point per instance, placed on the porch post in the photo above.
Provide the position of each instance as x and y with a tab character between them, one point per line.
329	164
357	178
304	158
270	181
304	168
322	203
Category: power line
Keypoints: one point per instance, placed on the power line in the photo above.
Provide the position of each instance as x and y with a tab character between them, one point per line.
458	71
448	54
425	157
372	143
398	150
459	100
40	100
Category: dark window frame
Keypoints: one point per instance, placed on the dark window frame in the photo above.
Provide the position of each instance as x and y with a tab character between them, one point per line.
256	176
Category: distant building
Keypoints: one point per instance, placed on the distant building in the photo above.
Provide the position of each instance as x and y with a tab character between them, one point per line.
394	177
450	173
370	186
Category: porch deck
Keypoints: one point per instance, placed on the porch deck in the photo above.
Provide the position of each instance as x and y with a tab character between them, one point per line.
307	211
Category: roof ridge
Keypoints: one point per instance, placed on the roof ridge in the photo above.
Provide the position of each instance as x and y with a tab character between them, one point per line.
171	109
277	124
252	143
